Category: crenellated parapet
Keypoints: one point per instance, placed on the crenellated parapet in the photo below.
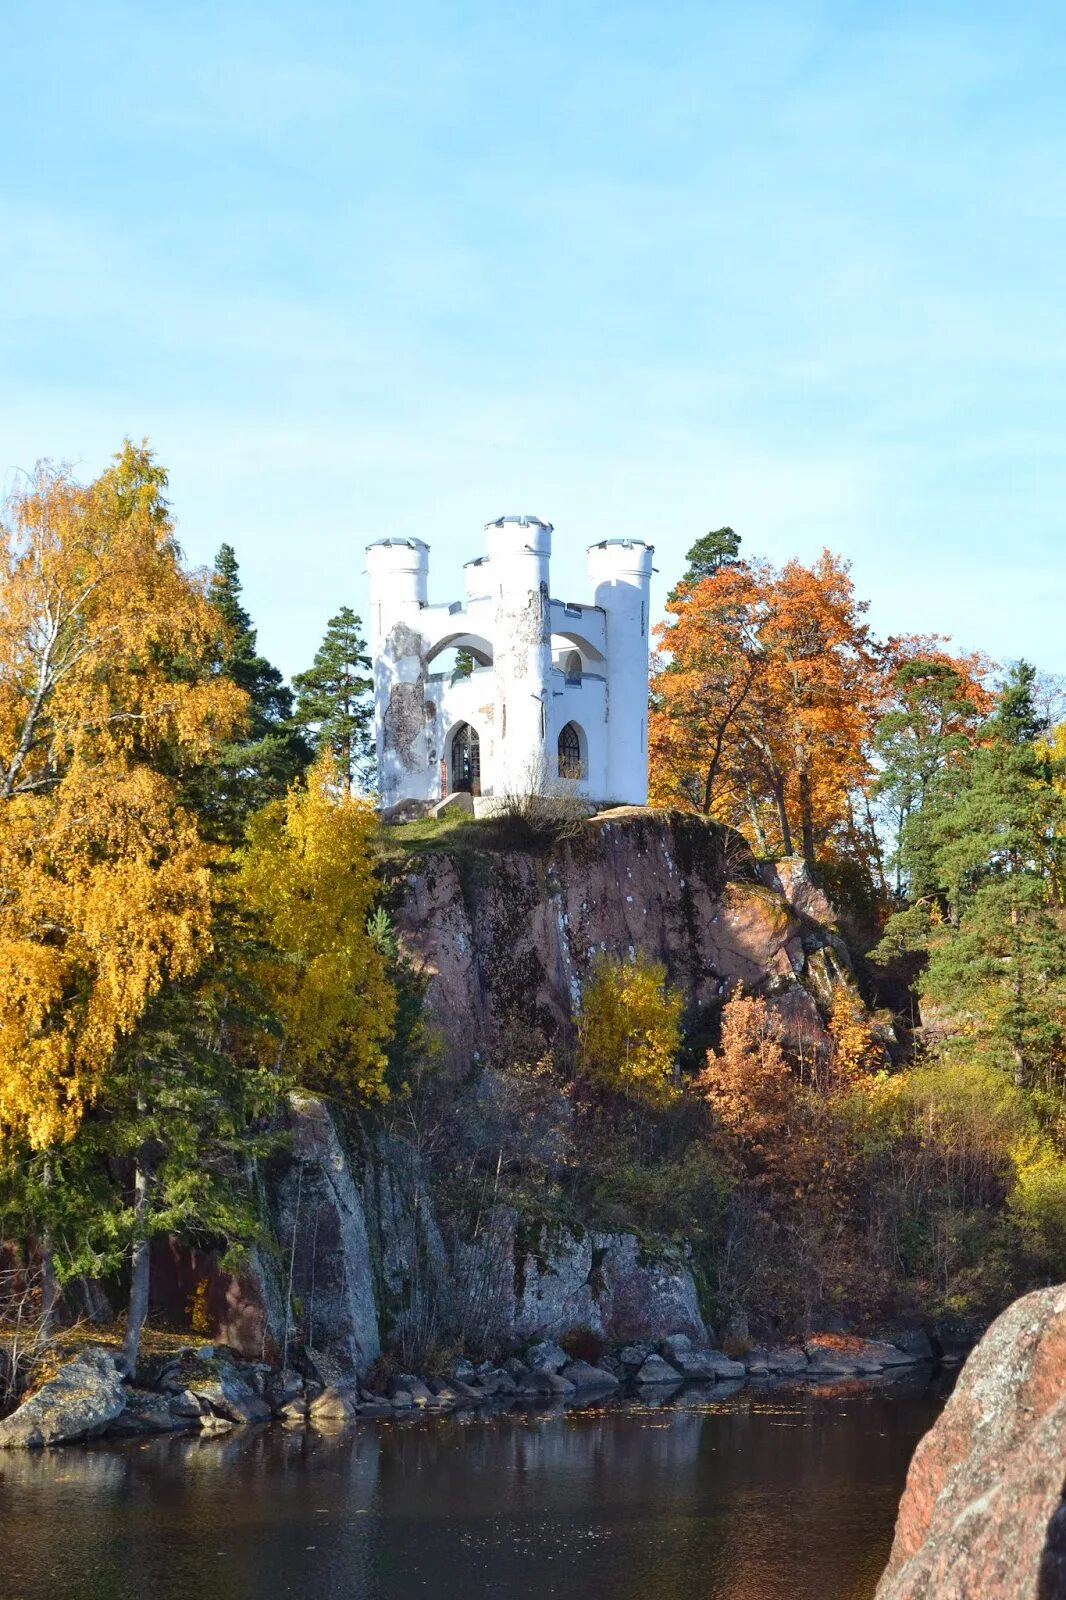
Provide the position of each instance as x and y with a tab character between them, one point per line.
557	697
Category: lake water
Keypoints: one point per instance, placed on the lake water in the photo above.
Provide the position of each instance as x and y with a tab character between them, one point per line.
766	1495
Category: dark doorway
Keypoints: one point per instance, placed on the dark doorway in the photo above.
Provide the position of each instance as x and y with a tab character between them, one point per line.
466	760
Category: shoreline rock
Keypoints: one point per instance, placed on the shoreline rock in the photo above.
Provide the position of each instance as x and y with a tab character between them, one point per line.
212	1391
984	1512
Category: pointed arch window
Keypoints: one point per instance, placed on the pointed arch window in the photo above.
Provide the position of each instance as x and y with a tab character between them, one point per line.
466	760
570	762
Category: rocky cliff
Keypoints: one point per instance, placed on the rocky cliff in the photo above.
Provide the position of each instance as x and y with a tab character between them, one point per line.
505	936
983	1513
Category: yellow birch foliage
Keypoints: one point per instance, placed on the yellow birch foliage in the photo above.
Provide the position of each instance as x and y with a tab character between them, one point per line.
307	873
857	1053
629	1029
105	689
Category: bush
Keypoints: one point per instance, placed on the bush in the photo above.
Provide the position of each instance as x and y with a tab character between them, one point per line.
583	1344
629	1030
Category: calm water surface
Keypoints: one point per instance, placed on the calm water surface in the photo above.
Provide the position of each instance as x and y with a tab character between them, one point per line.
763	1496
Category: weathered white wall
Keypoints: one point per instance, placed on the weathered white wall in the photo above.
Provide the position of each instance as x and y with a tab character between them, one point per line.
521	700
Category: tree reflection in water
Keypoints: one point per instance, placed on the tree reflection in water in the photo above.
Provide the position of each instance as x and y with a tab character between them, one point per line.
764	1495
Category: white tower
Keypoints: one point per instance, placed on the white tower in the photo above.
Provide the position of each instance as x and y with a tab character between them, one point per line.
621	571
519	550
398	572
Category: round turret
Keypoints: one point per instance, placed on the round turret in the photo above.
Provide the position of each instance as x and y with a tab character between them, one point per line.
398	570
621	571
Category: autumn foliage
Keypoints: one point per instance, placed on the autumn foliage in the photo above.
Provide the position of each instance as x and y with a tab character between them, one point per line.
629	1030
105	892
764	700
306	874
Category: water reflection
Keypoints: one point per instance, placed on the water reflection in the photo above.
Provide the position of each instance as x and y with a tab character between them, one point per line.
762	1495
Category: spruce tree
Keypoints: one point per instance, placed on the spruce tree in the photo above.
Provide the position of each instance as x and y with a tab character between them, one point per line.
272	752
334	706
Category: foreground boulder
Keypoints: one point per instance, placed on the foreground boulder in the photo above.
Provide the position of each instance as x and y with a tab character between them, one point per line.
983	1511
83	1398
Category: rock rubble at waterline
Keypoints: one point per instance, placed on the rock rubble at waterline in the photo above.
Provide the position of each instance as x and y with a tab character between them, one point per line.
209	1390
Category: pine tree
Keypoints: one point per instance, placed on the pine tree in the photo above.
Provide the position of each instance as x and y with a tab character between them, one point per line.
936	705
333	699
272	751
708	555
992	844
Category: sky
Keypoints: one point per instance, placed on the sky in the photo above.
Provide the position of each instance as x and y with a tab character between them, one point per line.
364	271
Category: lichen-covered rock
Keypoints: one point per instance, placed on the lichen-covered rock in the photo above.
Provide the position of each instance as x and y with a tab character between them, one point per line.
982	1513
84	1397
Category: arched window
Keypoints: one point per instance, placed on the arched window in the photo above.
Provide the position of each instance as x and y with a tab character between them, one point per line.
572	667
570	752
466	759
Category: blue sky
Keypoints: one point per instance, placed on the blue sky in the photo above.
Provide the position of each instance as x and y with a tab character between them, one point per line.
639	269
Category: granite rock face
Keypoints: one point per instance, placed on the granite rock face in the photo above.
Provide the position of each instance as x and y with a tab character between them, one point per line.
320	1224
507	938
983	1512
84	1397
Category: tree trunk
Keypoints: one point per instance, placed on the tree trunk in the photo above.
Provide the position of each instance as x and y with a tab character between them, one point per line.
49	1288
140	1261
806	820
782	814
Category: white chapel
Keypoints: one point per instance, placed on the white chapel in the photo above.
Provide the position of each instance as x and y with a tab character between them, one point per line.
558	694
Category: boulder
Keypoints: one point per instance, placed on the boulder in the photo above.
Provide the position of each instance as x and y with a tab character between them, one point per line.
282	1388
466	1394
187	1405
983	1511
585	1376
84	1397
780	1360
675	1344
419	1392
212	1424
497	1381
547	1356
632	1356
842	1355
655	1370
913	1342
330	1408
148	1412
231	1396
542	1384
705	1365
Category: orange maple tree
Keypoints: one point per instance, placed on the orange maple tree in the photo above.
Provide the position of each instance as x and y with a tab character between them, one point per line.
764	699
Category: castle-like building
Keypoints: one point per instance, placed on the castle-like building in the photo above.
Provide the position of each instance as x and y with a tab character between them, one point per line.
557	698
